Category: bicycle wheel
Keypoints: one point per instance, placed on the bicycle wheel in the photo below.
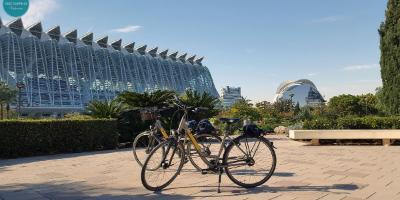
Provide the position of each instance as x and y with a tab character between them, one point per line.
209	144
250	161
162	165
142	146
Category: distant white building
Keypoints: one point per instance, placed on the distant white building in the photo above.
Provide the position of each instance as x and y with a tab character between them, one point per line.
229	95
302	91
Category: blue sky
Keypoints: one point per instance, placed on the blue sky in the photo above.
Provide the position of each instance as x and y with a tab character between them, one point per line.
253	44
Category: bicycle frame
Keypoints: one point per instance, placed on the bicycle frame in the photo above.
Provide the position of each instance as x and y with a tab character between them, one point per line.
158	125
190	137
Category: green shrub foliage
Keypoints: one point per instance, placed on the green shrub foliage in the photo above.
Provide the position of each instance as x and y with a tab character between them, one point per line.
130	125
368	122
390	58
320	123
39	137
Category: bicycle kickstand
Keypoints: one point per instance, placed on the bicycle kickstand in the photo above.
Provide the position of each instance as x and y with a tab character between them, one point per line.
219	179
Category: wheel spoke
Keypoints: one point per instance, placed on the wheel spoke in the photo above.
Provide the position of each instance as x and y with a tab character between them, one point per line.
253	166
162	165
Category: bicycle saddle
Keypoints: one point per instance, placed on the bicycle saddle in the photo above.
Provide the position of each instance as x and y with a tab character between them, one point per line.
229	120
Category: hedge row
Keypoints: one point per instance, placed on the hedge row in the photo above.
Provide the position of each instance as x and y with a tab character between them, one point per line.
39	137
368	122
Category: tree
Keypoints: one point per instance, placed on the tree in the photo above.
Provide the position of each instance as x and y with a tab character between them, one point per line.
345	104
158	98
104	109
197	99
7	95
304	113
296	108
244	109
266	109
368	103
379	97
390	57
283	105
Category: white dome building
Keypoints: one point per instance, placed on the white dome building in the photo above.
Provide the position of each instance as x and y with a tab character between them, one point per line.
302	91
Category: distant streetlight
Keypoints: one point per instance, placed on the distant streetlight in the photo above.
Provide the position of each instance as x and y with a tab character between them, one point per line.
20	86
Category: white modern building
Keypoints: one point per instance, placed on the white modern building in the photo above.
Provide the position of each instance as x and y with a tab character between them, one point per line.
62	73
302	91
229	95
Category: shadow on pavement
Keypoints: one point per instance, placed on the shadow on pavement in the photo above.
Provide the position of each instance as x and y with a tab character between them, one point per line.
283	174
25	160
78	190
238	191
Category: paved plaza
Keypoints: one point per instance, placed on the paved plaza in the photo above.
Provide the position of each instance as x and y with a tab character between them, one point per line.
303	172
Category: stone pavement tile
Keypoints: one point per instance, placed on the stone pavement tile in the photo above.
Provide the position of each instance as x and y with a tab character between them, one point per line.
384	192
64	195
333	196
290	183
283	197
20	195
300	173
363	193
233	195
347	173
351	198
311	195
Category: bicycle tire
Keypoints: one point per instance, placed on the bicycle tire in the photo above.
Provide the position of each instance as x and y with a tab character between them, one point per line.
232	177
178	150
135	147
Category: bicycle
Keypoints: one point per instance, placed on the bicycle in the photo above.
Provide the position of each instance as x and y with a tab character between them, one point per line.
156	134
150	138
238	159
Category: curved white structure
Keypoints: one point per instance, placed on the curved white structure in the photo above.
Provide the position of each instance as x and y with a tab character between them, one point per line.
302	91
63	71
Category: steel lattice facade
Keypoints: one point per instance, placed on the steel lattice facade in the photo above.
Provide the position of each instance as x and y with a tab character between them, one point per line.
62	71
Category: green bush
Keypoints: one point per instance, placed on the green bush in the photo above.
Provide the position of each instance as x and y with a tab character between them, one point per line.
319	123
38	137
368	122
130	125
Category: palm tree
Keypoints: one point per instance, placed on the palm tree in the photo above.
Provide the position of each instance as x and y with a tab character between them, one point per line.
7	95
197	99
104	109
158	98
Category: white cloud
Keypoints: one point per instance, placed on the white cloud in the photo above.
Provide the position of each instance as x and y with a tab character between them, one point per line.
312	74
360	67
127	29
329	19
38	10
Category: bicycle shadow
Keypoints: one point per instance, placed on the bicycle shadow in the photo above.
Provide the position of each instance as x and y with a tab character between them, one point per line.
283	174
232	190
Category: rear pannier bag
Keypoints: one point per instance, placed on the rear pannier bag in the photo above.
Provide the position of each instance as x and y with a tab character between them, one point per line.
205	126
252	130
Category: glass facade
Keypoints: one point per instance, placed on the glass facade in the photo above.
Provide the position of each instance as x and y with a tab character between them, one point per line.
63	71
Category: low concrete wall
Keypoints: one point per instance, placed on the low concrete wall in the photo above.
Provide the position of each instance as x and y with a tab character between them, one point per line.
315	135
